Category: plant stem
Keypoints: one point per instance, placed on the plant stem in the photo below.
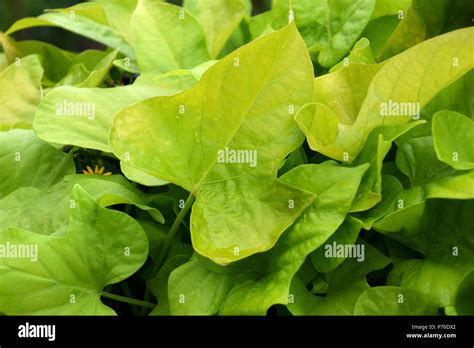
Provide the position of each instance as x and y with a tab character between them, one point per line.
172	232
127	292
146	298
131	301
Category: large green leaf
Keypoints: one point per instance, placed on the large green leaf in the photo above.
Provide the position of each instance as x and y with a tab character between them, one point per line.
119	15
193	289
453	135
167	37
86	19
185	141
101	247
442	230
20	93
345	284
347	233
335	188
158	285
448	57
27	161
391	300
417	159
56	62
421	20
83	117
389	7
219	19
328	26
47	211
374	151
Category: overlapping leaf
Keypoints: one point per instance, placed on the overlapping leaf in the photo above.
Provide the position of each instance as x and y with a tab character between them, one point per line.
20	93
167	37
400	80
179	138
335	188
86	19
67	278
345	284
26	161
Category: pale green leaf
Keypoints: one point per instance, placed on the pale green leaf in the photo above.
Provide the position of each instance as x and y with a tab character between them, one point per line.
167	37
81	263
83	116
330	26
218	18
335	188
47	211
195	290
84	19
345	284
401	80
391	300
453	135
27	161
186	141
20	93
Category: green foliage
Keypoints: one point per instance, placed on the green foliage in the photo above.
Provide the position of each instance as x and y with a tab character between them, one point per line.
317	156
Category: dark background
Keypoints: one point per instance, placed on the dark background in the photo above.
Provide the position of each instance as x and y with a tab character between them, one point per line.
12	10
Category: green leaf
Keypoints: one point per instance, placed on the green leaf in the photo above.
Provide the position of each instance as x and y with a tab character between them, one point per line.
140	176
464	298
375	149
20	93
417	159
83	116
330	27
47	211
167	37
378	31
452	136
391	187
219	19
159	284
76	266
347	233
409	32
56	62
360	54
185	143
26	161
119	15
389	7
345	284
195	290
389	85
335	188
421	20
86	19
441	230
80	75
390	300
3	62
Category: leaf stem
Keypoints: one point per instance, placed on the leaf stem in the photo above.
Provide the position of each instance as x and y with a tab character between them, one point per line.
129	300
146	298
172	232
128	292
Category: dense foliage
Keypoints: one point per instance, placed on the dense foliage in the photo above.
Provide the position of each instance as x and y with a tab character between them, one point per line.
317	158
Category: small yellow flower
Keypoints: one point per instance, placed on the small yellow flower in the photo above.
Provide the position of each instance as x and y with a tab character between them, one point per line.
97	170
